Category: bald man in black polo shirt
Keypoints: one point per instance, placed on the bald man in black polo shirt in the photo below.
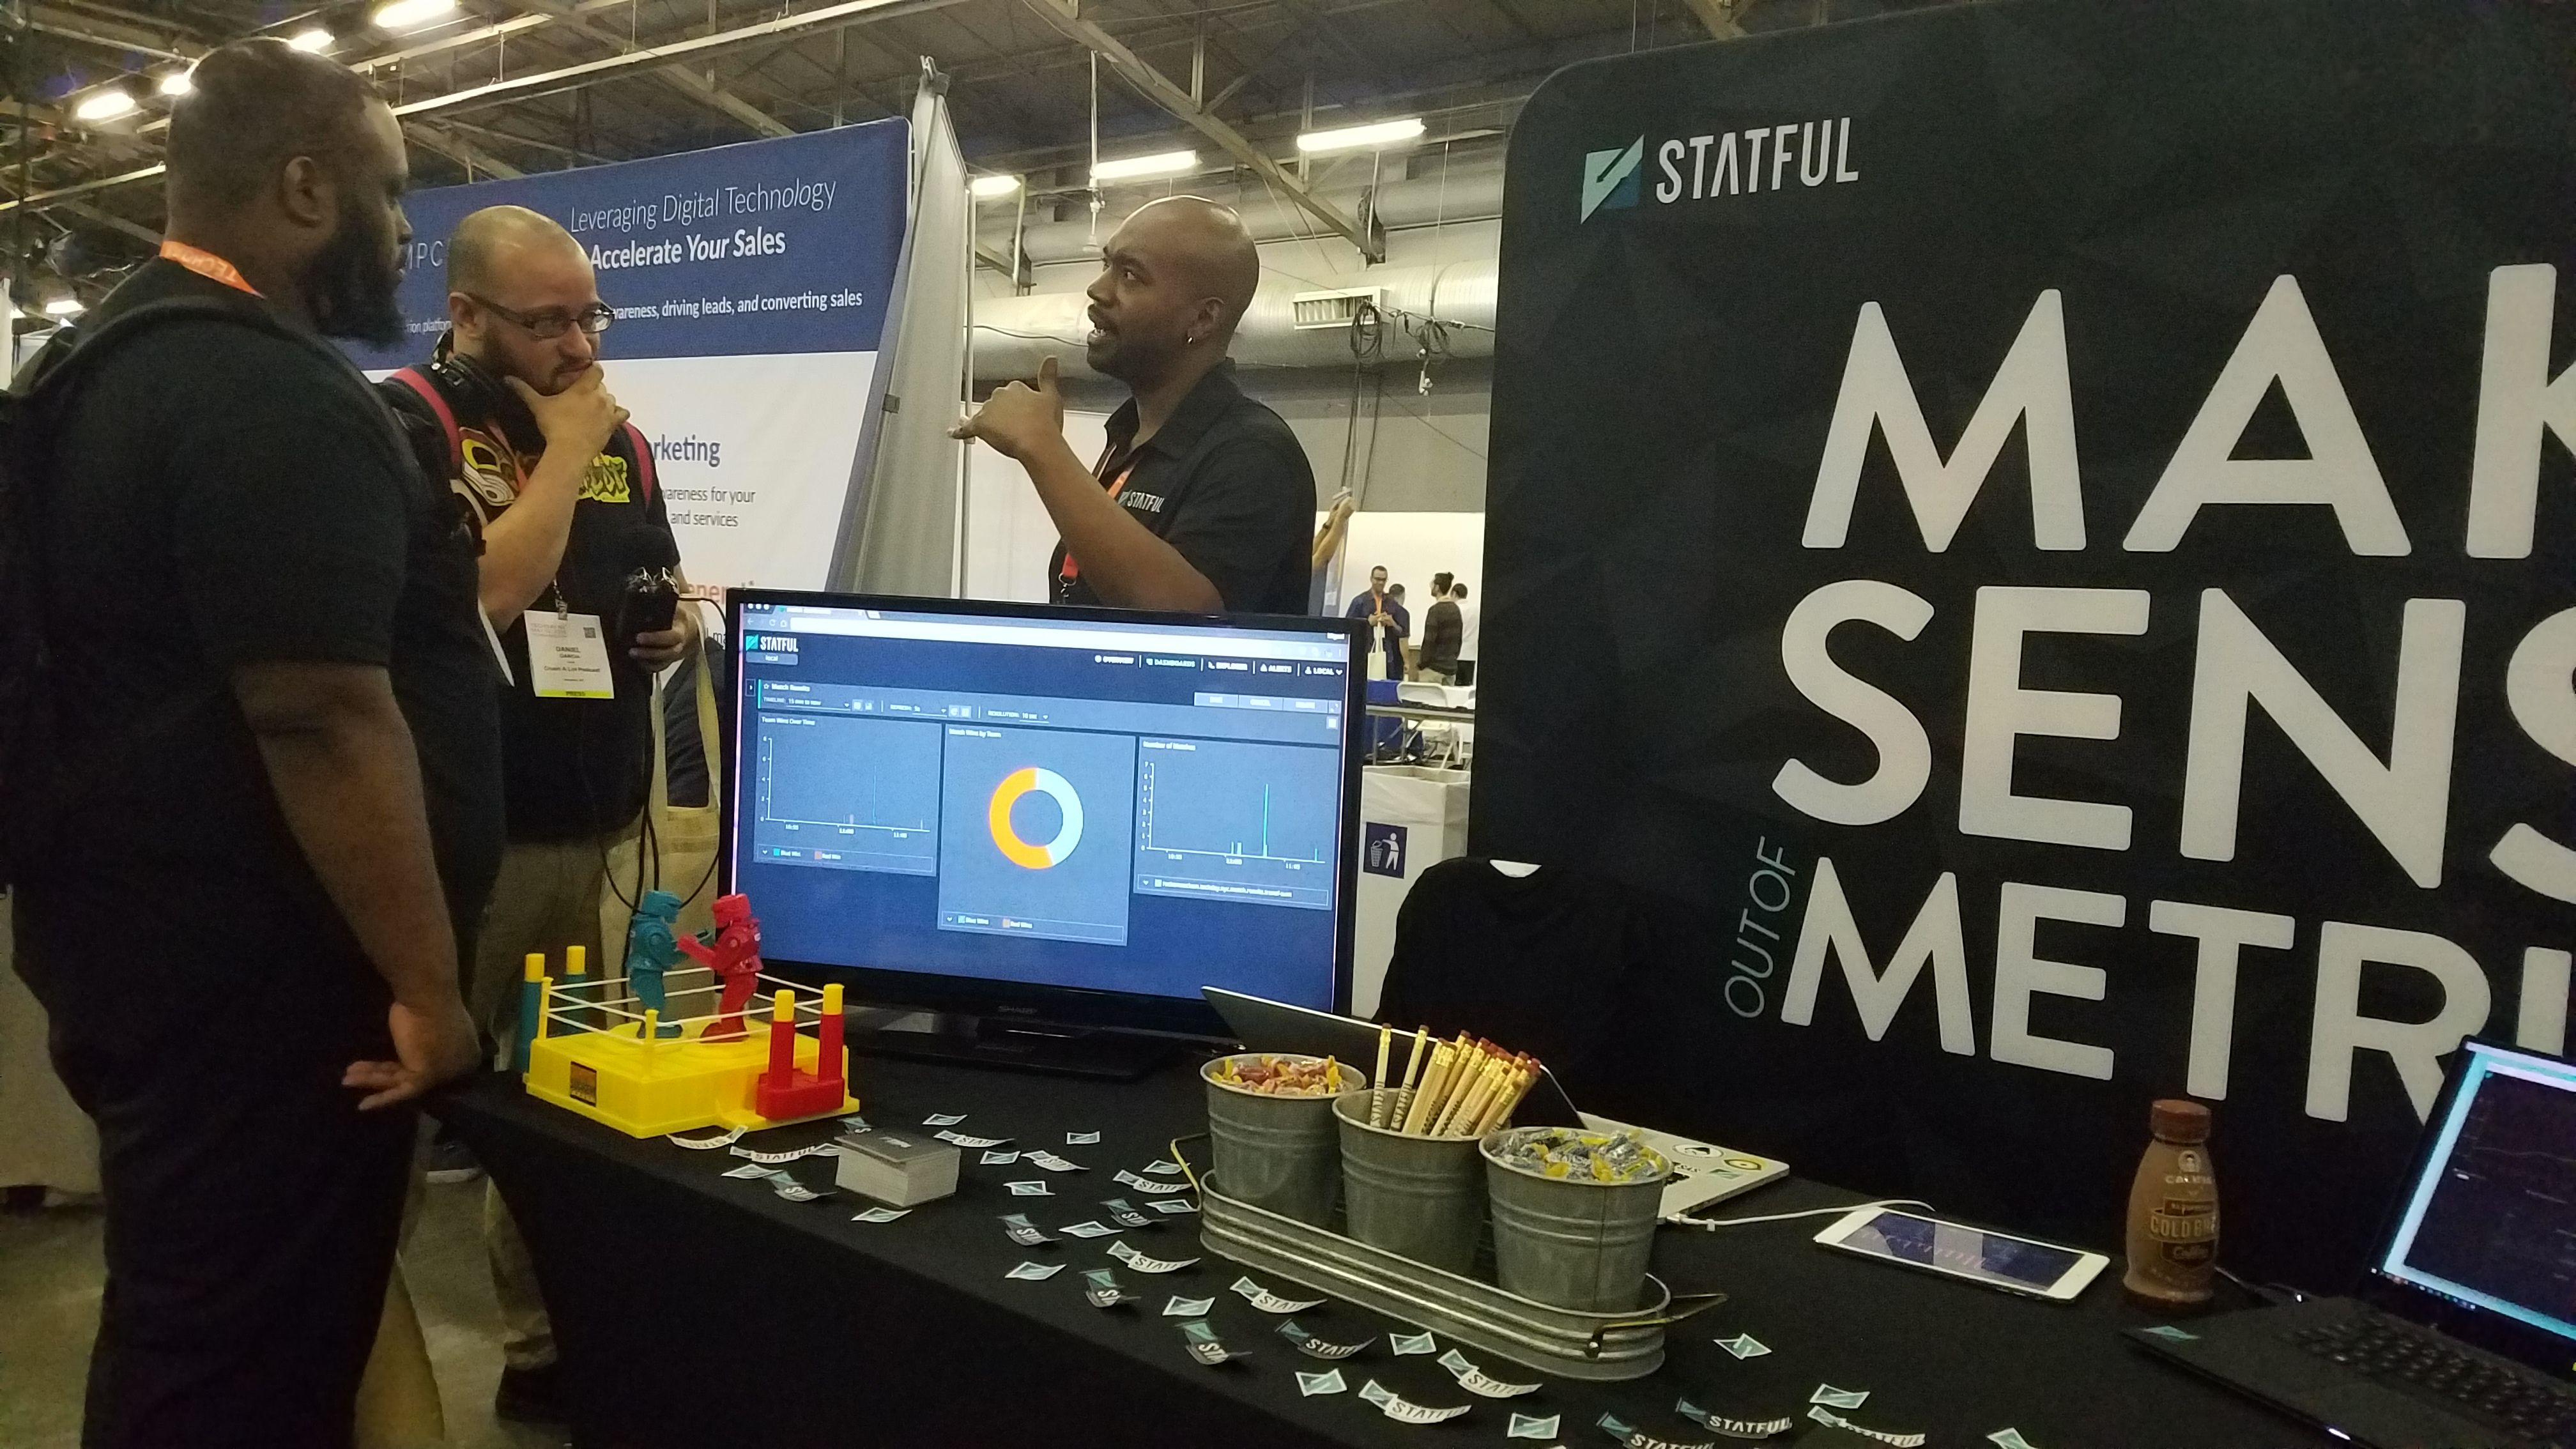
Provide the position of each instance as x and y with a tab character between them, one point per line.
1204	501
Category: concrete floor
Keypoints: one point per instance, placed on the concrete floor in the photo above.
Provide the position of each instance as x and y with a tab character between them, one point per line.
50	1274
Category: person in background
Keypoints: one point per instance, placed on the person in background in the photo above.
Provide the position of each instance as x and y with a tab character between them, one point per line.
1384	610
559	488
1328	541
1440	634
1403	634
1203	501
279	809
1469	616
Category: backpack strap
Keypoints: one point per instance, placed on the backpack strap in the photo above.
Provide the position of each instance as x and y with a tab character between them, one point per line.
418	382
643	458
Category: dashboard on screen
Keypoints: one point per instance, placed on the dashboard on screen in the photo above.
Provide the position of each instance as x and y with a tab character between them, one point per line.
1004	801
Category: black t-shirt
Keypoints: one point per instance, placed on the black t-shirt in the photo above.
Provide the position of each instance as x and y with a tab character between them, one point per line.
221	495
1226	484
574	767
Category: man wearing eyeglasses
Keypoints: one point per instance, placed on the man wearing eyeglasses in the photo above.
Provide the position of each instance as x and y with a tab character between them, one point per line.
513	409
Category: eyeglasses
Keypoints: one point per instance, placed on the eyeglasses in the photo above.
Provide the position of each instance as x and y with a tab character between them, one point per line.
551	324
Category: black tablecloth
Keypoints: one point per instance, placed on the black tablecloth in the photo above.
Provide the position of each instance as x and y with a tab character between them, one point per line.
693	1310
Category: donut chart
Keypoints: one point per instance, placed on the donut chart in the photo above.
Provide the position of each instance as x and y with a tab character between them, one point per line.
997	816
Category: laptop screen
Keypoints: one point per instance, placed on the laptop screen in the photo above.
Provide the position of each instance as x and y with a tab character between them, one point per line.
2489	1220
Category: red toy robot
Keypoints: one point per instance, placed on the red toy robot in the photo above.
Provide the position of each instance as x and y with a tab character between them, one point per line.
733	954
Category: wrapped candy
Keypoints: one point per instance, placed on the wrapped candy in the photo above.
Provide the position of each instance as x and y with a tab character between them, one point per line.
1284	1076
1563	1152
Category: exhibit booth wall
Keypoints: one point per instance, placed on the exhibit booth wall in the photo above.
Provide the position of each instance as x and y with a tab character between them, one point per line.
753	286
2041	533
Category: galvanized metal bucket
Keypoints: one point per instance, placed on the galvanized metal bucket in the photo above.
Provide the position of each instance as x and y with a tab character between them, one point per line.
1571	1242
1277	1152
1422	1197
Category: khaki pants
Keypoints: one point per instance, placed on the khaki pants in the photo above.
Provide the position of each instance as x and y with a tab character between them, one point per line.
546	899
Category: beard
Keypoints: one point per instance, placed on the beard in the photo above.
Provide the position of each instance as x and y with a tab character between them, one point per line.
351	286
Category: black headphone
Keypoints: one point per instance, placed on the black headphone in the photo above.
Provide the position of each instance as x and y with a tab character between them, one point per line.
480	397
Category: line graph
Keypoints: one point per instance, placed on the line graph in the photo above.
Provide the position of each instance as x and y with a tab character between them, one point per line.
861	794
1237	821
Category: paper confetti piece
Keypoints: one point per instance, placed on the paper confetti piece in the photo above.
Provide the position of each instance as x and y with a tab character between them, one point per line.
795	1155
1327	1382
1029	1189
1188	1307
1313	1347
1405	1343
881	1215
1088	1229
1165	1168
705	1144
1125	1215
1269	1302
2172	1334
1834	1398
1744	1345
1531	1426
1830	1419
794	1191
1734	1428
1080	1139
1101	1289
960	1139
943	1119
1404	1412
1034	1271
1024	1232
1174	1205
855	1123
1204	1345
1147	1184
1143	1264
1476	1381
998	1159
2009	1439
749	1170
1053	1163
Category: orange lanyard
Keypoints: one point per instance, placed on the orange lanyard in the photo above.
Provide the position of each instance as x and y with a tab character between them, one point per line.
207	265
1117	485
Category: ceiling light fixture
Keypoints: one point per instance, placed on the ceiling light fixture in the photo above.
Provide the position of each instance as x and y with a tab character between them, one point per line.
986	188
411	14
312	41
106	105
1356	138
1136	168
179	82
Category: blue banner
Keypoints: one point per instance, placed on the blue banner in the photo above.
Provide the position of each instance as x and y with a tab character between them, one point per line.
767	247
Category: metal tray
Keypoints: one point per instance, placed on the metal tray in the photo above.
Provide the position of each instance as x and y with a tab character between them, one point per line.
1560	1341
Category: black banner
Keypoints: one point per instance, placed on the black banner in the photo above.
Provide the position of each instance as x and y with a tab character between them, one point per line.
2045	529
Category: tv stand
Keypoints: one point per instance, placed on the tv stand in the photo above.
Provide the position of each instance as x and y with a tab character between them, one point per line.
1021	1046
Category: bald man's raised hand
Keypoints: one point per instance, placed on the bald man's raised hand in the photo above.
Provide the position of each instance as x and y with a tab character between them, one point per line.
1016	419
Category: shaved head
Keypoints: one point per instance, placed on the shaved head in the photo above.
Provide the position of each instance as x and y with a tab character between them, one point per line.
1175	282
513	276
1209	242
490	244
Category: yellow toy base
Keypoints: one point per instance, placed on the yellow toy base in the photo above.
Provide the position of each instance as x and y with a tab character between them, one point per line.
678	1084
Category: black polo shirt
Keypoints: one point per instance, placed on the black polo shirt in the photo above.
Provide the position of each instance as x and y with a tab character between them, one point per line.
1226	484
222	495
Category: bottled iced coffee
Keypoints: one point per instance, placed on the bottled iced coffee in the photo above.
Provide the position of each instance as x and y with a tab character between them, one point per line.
2173	1212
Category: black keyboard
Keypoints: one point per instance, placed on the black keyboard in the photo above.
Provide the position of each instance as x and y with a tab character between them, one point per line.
2390	1348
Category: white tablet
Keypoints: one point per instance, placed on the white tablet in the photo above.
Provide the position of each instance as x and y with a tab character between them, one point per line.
1955	1250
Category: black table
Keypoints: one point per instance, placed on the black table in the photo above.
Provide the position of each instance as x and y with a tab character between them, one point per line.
693	1310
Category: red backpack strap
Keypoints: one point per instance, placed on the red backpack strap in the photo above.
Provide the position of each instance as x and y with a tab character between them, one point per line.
643	459
413	378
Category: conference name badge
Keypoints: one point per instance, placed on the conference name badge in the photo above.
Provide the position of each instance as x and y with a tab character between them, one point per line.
568	656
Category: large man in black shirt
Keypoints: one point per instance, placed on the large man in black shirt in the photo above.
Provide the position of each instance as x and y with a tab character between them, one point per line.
277	737
513	411
1204	500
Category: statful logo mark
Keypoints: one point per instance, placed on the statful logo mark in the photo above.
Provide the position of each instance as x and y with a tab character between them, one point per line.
1610	178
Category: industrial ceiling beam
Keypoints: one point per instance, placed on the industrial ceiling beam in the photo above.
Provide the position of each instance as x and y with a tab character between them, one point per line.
459	150
1718	16
569	77
112	222
678	77
1160	90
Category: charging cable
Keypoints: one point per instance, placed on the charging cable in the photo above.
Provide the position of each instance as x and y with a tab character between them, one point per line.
1710	1225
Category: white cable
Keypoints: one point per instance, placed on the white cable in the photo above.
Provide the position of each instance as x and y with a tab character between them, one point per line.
1713	1224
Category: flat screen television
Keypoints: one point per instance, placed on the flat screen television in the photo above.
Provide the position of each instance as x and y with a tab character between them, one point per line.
1034	814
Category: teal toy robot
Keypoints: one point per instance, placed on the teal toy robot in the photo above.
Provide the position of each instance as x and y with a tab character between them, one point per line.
653	947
